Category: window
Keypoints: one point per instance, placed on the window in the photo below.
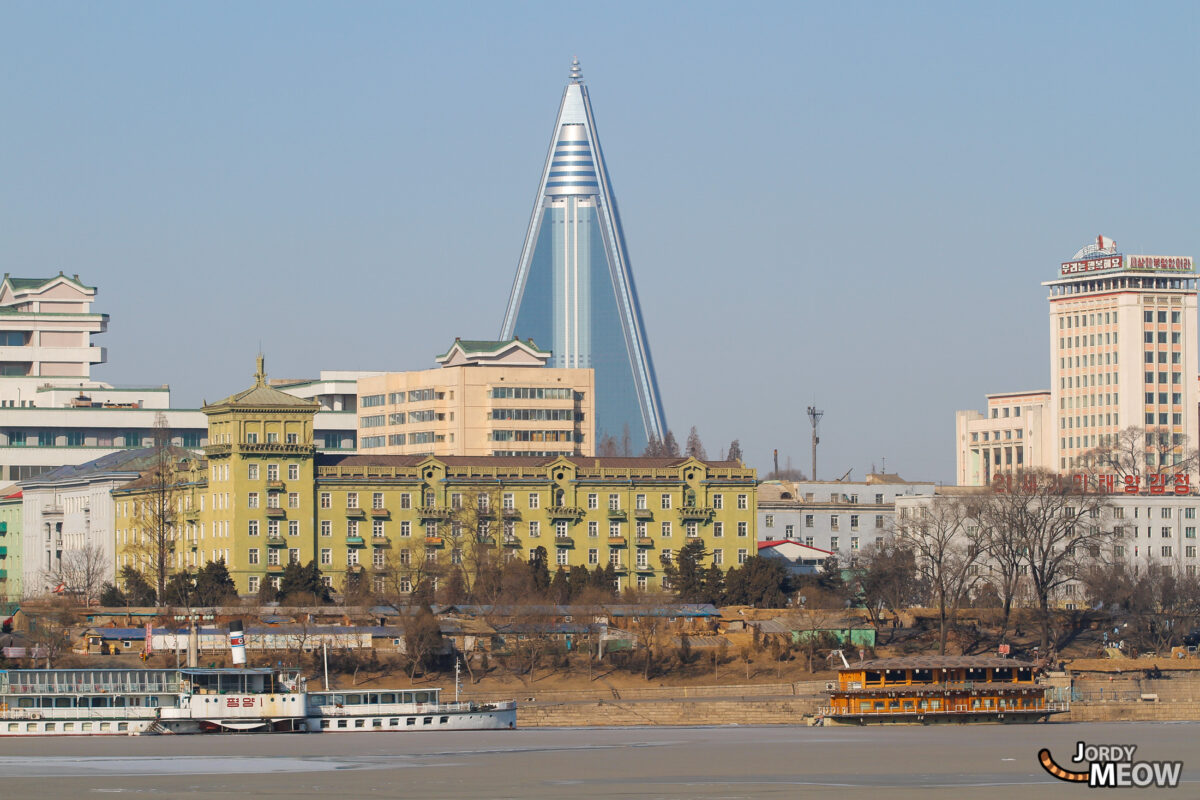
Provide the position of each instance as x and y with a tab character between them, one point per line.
406	500
252	556
833	522
273	557
743	528
377	528
561	556
455	500
351	557
352	527
273	527
593	556
326	556
535	528
272	472
614	502
640	502
833	543
252	500
293	527
377	557
743	501
326	527
252	585
507	502
252	528
693	529
593	501
560	528
770	521
351	499
718	556
293	555
405	557
879	521
665	501
614	557
614	529
853	542
666	530
533	500
643	559
808	520
326	500
405	528
293	499
718	501
719	529
294	438
1166	551
377	500
854	522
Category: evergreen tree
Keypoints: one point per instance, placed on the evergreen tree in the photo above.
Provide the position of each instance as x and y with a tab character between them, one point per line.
455	589
111	596
654	448
540	568
714	585
686	572
759	582
214	586
306	580
578	580
695	448
735	451
670	447
560	587
180	589
137	590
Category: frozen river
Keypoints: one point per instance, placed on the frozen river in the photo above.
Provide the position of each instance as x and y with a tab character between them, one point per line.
985	761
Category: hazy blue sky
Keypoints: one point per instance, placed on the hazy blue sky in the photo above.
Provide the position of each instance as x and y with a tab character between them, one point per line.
847	203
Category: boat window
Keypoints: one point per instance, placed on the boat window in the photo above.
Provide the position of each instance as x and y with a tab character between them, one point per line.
935	704
922	676
1002	674
373	699
389	697
427	721
377	723
25	702
976	674
360	723
879	705
873	676
444	720
63	702
12	726
341	723
29	726
353	699
412	721
865	705
87	726
104	726
122	726
324	723
394	721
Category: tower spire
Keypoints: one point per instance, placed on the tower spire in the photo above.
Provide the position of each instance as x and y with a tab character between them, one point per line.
576	71
260	374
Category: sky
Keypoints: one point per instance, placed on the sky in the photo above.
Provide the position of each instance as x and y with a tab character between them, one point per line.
851	205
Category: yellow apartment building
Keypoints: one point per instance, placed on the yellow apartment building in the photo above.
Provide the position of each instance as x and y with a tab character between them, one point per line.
485	398
264	497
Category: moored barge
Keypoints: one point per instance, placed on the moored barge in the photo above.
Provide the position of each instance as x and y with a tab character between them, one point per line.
933	689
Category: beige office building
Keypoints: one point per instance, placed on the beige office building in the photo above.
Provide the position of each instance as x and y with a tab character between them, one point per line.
485	399
1014	432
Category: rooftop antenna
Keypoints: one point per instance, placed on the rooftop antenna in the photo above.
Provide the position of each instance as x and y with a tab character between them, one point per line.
814	416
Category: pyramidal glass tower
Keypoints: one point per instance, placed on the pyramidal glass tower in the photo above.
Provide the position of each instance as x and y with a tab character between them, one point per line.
574	291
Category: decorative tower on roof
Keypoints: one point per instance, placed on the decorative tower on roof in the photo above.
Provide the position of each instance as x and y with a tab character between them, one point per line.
574	287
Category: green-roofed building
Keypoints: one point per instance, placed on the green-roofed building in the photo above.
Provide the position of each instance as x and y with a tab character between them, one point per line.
486	398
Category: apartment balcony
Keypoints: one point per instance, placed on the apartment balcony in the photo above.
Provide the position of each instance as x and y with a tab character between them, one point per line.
275	567
355	541
617	514
380	513
489	541
643	513
275	512
433	512
275	486
646	568
433	541
620	569
3	551
276	540
616	541
644	541
512	541
510	513
275	448
218	449
696	513
356	513
564	541
564	512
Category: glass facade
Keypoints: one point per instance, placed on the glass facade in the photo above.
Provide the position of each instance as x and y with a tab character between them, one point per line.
574	290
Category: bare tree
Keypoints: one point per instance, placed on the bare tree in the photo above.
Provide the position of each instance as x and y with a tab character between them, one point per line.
157	509
947	550
1055	522
695	447
50	628
1005	549
1138	453
888	579
81	573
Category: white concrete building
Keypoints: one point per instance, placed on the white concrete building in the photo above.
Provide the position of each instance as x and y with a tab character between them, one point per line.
1123	352
70	509
1015	432
837	516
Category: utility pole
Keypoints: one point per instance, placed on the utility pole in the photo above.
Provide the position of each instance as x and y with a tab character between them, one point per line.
814	416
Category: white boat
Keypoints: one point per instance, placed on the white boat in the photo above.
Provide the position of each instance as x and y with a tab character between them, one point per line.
130	702
403	710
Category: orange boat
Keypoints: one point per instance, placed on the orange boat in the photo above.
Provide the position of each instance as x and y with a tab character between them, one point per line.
929	689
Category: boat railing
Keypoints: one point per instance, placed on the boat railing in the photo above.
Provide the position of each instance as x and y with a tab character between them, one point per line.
125	712
957	708
171	687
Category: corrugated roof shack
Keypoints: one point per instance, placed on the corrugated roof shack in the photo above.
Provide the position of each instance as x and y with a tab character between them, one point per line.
849	631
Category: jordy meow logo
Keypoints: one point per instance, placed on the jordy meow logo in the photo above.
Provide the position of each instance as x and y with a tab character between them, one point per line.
1112	765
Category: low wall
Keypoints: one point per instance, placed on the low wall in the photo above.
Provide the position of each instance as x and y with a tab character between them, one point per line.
667	712
1131	712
